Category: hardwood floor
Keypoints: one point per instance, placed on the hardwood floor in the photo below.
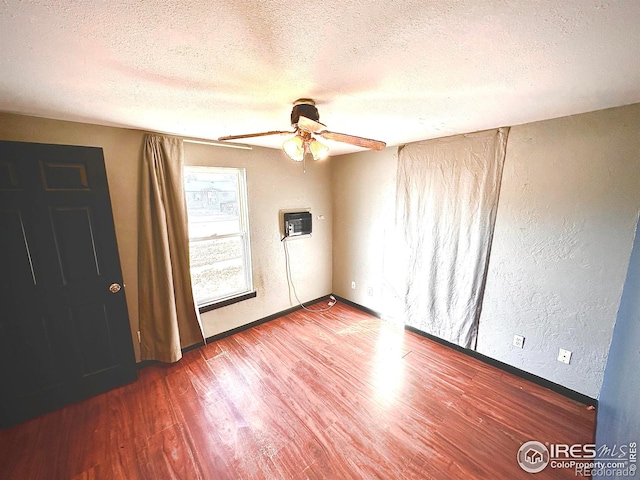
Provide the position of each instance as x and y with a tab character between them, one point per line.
335	395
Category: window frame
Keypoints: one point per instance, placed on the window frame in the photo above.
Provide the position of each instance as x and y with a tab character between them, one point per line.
244	235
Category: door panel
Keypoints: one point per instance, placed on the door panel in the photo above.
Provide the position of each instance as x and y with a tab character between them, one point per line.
30	342
8	176
91	324
14	246
64	176
75	246
64	335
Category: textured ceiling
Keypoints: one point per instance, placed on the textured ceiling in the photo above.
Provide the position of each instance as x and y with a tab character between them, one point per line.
397	71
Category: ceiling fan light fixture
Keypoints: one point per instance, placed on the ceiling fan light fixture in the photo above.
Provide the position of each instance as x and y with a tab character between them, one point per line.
294	148
304	120
318	150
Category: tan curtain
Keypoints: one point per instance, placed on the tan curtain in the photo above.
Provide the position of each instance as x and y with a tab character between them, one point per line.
447	197
169	319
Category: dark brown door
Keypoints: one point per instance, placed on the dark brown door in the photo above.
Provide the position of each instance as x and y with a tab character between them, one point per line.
64	326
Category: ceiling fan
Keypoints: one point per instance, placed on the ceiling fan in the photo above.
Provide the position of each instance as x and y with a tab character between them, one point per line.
304	120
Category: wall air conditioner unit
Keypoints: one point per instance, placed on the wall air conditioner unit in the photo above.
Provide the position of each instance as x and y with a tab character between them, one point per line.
296	223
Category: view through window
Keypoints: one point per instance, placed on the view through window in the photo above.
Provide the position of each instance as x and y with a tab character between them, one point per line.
218	233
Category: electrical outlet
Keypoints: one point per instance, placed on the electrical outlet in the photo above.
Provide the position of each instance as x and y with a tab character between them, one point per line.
518	341
370	291
353	285
564	356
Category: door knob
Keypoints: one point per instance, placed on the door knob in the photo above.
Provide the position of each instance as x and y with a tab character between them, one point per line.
114	287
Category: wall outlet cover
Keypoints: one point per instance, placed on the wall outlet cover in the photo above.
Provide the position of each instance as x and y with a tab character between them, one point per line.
518	341
564	356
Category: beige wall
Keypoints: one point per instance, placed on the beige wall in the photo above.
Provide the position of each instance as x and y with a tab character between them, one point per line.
363	195
568	207
274	183
564	231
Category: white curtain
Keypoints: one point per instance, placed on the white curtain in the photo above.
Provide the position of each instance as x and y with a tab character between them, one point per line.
169	319
447	196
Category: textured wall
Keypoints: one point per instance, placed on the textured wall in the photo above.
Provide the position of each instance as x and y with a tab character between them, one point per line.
566	216
363	190
618	413
566	219
274	182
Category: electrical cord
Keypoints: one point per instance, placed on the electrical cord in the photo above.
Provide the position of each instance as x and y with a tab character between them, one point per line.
332	299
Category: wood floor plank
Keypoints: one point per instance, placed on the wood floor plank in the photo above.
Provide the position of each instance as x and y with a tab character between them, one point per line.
128	433
328	395
170	457
88	421
201	424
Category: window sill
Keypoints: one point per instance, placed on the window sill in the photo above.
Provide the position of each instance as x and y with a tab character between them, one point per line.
227	301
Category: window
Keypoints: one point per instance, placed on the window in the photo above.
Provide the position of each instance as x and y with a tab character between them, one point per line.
219	247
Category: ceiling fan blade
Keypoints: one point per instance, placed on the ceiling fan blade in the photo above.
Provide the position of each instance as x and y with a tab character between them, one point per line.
307	125
353	140
251	135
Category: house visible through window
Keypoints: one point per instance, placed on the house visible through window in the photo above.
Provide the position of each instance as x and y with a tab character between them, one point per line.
219	246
